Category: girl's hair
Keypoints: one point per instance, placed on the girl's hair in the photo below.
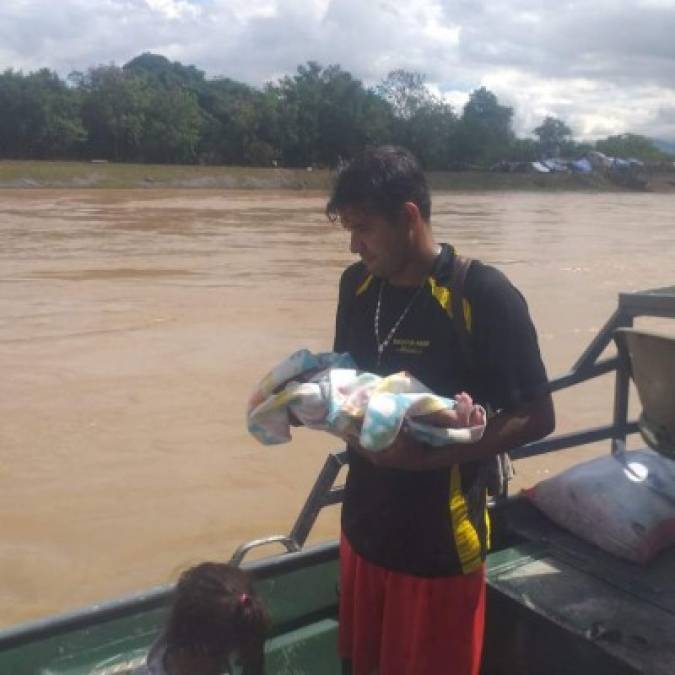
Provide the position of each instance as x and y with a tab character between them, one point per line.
215	612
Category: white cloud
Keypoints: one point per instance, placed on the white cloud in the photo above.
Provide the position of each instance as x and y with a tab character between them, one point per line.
174	9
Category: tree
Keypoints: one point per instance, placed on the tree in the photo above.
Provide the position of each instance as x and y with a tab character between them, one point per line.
423	122
430	134
484	109
171	129
239	124
114	109
169	74
524	150
631	146
552	133
154	109
406	91
349	116
299	100
484	133
39	116
325	114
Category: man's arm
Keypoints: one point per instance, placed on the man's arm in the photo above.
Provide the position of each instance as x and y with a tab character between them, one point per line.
504	432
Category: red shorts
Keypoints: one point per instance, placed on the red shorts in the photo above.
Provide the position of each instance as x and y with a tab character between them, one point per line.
397	624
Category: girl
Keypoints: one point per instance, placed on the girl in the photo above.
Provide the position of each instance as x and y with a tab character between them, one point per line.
216	623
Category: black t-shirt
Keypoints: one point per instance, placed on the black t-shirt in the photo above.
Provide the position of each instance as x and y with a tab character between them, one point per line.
434	523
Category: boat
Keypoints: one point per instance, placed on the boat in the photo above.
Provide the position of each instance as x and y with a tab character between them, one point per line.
556	604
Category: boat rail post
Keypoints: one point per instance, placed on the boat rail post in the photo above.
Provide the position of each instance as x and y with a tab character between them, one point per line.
621	392
323	493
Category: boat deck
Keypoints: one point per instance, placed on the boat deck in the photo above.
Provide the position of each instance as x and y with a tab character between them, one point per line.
575	600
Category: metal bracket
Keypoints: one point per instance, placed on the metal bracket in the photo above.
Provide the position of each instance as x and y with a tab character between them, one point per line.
324	493
289	543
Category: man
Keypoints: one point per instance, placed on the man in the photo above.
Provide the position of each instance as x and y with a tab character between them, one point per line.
414	522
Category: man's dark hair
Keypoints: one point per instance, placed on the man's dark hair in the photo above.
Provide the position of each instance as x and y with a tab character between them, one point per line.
381	179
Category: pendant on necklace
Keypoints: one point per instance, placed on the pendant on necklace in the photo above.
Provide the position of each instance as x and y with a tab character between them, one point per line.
381	346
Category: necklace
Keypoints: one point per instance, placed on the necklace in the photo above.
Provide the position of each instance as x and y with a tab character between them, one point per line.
382	345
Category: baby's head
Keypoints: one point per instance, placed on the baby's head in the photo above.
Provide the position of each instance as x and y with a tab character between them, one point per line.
216	613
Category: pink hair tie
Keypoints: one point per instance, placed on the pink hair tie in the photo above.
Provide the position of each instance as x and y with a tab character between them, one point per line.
244	599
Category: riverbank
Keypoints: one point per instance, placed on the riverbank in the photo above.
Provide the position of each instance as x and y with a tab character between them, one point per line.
47	174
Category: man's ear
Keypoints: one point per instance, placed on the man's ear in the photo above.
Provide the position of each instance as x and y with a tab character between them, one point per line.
410	213
412	218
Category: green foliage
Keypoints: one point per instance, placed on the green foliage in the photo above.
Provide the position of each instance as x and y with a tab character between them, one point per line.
166	73
484	133
430	134
239	124
553	134
406	92
114	106
422	122
524	150
156	110
631	145
325	115
39	116
172	126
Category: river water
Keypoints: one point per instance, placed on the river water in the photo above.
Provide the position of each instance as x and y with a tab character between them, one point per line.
133	325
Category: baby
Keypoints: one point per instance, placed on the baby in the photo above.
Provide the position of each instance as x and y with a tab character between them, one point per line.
327	392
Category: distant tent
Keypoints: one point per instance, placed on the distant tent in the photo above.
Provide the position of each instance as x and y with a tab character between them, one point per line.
582	165
554	164
598	160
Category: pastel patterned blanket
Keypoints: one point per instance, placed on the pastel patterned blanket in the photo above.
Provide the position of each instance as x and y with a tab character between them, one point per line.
327	392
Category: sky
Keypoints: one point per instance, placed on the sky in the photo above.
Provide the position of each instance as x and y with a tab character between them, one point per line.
603	66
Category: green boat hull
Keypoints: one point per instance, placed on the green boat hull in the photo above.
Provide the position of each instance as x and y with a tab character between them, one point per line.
300	590
555	605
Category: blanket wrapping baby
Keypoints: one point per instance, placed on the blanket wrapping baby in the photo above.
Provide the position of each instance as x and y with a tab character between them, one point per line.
326	391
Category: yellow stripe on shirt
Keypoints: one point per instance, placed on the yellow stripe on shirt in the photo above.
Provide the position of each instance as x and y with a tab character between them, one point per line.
468	315
444	297
488	529
467	542
441	293
364	286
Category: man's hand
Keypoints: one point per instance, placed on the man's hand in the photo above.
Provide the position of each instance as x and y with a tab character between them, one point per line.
504	432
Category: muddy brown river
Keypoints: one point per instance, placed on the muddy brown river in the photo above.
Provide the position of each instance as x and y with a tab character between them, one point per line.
133	325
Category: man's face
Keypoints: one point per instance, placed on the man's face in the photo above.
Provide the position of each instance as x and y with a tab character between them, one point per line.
383	245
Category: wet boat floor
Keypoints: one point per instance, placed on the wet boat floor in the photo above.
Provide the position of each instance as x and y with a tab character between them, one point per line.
625	609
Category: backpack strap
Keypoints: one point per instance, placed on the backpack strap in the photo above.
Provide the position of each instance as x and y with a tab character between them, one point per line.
497	470
460	269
